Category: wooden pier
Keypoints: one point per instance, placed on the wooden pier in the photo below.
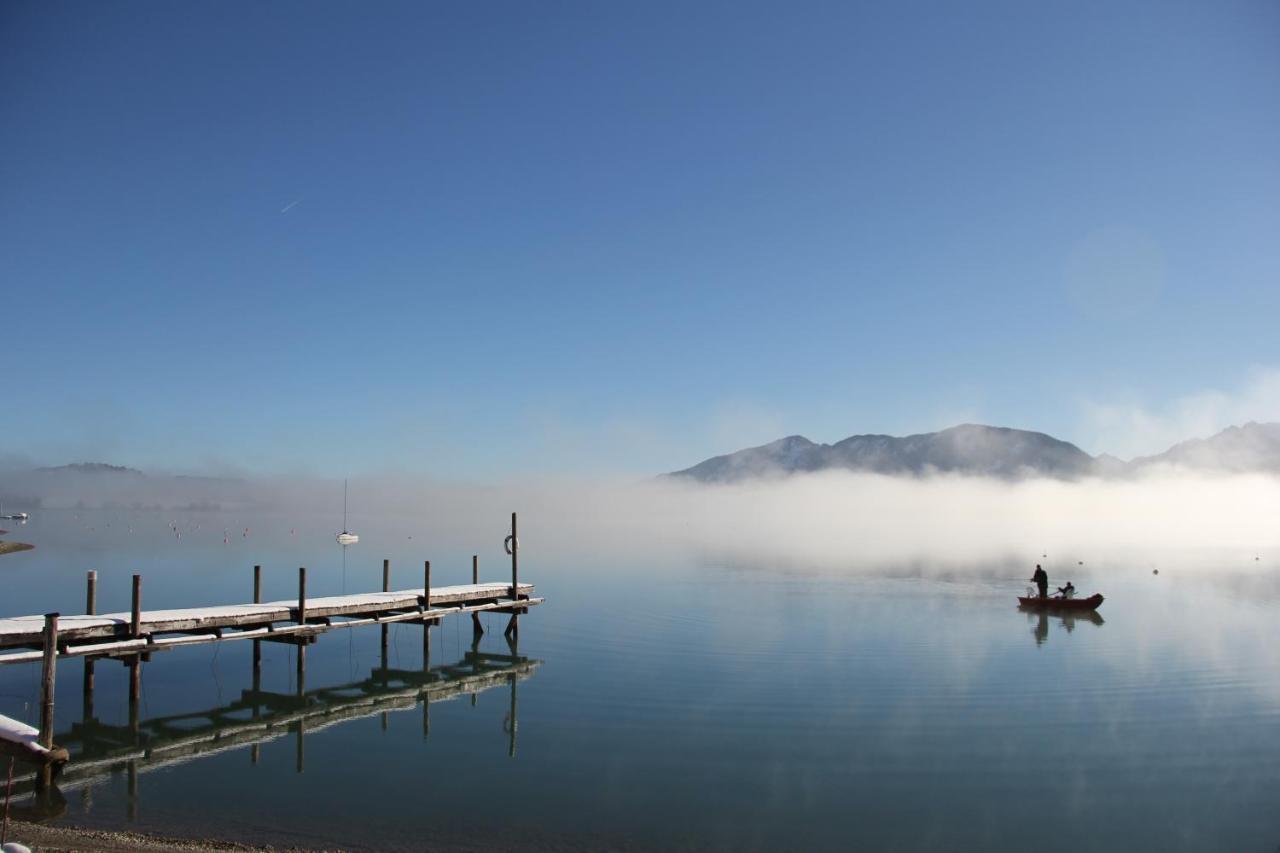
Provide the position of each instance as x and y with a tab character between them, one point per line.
134	636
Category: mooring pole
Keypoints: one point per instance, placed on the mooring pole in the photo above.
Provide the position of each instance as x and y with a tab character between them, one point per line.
302	596
515	561
257	644
47	679
48	675
426	623
90	609
513	626
135	614
302	620
476	628
386	587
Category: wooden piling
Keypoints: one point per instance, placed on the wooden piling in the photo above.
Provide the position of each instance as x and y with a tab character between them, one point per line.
302	596
515	560
477	629
426	585
48	675
135	615
257	644
90	609
44	778
386	587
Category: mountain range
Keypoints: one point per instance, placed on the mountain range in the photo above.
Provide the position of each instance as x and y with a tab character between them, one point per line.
979	450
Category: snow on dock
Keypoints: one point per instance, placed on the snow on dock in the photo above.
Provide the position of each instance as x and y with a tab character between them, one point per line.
398	605
132	637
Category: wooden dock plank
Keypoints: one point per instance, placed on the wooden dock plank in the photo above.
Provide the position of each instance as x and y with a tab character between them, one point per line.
26	630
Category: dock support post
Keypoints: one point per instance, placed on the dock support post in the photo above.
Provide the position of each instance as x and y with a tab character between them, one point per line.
477	629
302	595
302	620
135	632
426	623
515	561
257	644
48	674
90	609
135	614
386	587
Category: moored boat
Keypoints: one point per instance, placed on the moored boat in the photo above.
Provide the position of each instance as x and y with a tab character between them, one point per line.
1036	603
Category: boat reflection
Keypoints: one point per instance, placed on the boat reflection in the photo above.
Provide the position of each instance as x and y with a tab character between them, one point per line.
1066	619
101	750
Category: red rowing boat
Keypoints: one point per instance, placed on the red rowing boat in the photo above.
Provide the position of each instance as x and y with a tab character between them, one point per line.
1037	603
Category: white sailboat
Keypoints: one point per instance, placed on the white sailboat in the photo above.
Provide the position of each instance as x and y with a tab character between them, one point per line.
346	537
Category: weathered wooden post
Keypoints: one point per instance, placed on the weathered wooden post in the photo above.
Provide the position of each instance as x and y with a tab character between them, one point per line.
135	632
135	614
302	595
386	587
91	593
257	644
515	560
426	623
48	675
301	639
90	609
476	628
47	683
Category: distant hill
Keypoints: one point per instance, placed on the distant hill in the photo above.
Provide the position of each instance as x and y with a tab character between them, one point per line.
92	468
980	450
1252	447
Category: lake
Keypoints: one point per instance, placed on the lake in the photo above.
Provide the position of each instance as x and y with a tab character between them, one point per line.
670	703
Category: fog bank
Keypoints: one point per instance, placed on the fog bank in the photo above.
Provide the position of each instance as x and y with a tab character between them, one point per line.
823	520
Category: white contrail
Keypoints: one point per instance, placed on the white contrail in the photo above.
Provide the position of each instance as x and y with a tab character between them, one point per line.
288	207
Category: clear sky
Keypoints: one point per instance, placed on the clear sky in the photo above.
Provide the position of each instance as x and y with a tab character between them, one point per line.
479	239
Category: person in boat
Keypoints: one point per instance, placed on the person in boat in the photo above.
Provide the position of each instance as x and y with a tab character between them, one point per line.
1041	580
1068	591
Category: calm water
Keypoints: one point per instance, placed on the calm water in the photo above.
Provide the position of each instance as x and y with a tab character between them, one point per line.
672	704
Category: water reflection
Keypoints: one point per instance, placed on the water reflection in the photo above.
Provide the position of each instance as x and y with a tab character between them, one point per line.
1067	620
100	749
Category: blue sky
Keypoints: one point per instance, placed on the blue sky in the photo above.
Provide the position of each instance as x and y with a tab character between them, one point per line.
475	240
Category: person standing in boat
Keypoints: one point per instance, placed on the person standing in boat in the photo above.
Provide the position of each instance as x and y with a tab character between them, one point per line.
1041	580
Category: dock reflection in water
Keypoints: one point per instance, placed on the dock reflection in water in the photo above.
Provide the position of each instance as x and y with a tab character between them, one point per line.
100	750
1066	619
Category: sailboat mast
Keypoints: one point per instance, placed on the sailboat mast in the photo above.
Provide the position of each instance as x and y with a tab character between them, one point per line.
344	506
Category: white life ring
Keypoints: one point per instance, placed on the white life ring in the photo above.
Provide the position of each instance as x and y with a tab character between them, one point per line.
506	544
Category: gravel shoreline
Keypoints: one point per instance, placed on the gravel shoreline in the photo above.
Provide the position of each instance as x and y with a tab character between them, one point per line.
61	839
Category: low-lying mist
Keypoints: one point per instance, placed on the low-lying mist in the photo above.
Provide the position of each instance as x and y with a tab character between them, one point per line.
823	521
